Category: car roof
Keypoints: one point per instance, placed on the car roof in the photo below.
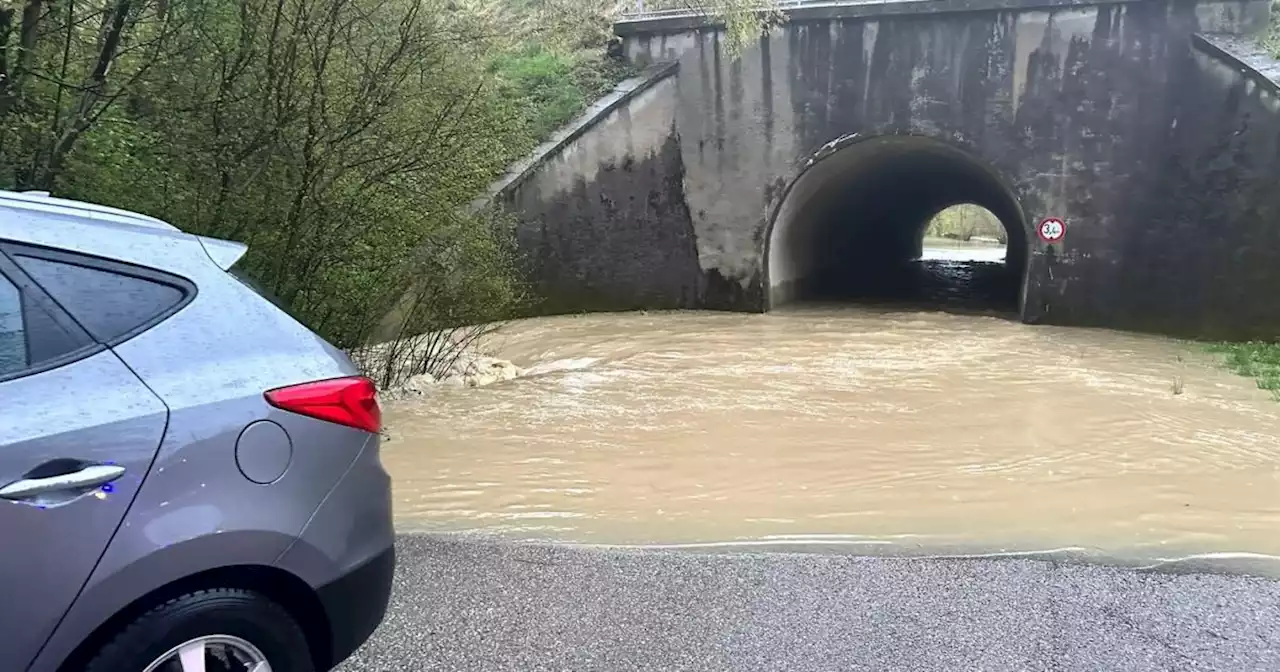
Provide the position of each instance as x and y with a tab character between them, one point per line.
35	218
41	201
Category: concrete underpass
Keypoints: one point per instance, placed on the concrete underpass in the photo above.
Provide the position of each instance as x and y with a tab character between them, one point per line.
851	228
708	180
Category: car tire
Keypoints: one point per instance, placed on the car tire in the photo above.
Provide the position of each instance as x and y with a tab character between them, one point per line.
242	614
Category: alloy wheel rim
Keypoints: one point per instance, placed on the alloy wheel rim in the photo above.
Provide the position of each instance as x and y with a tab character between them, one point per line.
211	653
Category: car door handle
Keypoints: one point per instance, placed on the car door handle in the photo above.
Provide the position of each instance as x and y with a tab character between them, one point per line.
87	477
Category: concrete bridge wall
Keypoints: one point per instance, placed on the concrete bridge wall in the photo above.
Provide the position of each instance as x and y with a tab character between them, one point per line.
1157	148
602	217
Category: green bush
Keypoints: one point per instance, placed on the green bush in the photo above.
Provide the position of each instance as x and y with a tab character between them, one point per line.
1256	359
550	86
340	145
542	82
339	139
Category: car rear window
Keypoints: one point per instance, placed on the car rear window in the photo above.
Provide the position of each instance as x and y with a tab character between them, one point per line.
13	336
29	335
110	305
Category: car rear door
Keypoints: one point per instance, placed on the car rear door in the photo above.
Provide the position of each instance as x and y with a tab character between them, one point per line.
78	433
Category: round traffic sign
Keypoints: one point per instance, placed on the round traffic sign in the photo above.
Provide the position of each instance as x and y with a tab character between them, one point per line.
1051	229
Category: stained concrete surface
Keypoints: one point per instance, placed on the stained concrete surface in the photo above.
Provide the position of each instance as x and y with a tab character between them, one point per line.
1116	117
466	604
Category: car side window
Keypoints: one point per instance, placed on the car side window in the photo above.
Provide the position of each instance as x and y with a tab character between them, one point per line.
30	335
13	335
110	305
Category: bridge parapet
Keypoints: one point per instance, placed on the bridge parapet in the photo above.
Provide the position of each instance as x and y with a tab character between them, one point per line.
1236	17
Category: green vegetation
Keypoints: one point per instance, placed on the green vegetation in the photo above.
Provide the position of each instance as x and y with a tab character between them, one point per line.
743	19
1256	359
552	86
1270	39
965	221
340	139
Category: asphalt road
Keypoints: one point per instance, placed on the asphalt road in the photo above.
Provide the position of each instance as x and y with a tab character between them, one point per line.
464	605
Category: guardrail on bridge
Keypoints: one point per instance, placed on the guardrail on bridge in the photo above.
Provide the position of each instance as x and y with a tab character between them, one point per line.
641	10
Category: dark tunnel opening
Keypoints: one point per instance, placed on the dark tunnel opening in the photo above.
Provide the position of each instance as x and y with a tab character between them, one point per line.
851	229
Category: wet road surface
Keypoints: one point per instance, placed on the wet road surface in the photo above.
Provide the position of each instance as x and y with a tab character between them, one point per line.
467	605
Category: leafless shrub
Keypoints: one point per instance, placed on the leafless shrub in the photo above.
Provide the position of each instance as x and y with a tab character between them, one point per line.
467	284
439	354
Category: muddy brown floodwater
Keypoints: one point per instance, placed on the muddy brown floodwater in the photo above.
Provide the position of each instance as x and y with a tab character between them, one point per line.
897	430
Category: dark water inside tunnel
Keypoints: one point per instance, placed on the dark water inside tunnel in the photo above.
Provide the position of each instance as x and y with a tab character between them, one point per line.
954	286
951	276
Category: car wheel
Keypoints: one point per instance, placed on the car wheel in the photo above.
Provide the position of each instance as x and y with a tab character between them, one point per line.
221	630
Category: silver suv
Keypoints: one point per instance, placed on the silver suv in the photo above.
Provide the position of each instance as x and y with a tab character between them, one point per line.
189	478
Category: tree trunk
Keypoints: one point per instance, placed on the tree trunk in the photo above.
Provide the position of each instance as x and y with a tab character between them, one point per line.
91	94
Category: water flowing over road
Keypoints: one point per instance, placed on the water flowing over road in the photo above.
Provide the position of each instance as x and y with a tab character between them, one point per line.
888	429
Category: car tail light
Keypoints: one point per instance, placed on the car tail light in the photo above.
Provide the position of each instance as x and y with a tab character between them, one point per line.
346	401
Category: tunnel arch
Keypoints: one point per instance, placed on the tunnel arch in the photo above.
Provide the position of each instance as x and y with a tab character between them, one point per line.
862	204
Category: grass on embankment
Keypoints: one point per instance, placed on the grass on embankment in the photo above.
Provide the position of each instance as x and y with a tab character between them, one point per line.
1256	359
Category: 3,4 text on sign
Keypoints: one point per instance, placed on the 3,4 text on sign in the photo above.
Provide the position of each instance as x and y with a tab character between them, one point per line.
1051	229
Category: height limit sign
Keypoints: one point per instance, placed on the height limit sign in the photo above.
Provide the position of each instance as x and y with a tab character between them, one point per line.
1052	229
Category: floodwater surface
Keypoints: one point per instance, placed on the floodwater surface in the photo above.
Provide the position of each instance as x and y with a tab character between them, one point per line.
892	428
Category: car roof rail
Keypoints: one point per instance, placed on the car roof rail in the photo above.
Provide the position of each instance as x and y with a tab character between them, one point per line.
42	201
